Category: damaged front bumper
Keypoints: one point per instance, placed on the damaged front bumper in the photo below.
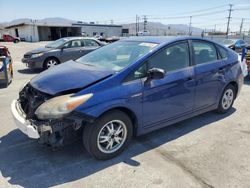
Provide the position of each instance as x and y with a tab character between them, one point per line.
50	132
24	125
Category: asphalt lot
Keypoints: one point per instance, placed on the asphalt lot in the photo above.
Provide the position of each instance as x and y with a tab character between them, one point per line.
210	150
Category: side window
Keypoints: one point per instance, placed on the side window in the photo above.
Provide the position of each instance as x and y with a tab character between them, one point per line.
171	58
204	52
91	43
67	45
223	52
76	44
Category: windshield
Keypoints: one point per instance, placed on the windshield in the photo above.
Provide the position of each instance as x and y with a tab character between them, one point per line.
117	56
56	43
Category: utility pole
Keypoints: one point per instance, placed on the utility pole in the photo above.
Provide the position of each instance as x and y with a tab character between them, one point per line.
229	18
241	25
145	23
190	25
136	25
111	22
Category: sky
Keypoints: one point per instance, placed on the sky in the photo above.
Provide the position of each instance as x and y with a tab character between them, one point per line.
164	11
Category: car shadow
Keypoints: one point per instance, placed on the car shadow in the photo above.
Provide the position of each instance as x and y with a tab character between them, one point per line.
30	71
25	163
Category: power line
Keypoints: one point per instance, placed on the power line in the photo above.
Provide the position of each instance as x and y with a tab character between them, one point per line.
195	11
193	15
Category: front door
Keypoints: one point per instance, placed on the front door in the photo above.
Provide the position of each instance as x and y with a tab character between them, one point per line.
71	50
173	96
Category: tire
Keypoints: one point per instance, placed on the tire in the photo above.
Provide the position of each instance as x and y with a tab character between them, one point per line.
16	41
97	138
50	62
227	99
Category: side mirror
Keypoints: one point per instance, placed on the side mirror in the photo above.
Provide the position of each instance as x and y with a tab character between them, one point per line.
155	73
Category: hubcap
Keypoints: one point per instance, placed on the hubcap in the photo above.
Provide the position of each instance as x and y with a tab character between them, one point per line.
51	63
112	136
227	99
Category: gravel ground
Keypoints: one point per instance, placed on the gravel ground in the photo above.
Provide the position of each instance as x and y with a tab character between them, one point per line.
210	150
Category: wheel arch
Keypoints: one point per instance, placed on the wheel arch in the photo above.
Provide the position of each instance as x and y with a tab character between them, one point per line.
50	57
128	112
235	85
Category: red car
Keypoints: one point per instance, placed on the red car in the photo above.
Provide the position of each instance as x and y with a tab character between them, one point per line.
9	38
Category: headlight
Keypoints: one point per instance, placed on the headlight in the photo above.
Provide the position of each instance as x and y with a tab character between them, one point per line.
36	55
59	106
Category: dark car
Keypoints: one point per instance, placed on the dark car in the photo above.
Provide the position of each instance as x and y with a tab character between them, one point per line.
129	87
59	51
9	38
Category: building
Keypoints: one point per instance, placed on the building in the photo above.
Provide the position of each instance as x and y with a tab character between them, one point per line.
40	30
104	30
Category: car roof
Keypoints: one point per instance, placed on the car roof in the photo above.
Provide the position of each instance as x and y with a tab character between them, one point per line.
162	39
72	38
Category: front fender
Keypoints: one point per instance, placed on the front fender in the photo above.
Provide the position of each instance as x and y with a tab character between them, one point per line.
98	109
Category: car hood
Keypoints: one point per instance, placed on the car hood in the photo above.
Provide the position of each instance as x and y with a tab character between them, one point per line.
68	76
39	50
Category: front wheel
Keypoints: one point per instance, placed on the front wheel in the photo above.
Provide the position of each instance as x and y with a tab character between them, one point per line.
16	41
50	62
108	136
227	99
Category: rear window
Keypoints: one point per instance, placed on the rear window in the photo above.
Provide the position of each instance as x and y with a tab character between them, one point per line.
223	52
204	52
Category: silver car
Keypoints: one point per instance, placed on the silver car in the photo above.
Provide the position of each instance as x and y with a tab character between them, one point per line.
60	51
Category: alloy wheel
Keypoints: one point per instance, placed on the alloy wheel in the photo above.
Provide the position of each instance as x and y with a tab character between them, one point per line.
112	136
227	98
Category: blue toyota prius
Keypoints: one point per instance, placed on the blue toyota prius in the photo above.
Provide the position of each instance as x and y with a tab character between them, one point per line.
125	89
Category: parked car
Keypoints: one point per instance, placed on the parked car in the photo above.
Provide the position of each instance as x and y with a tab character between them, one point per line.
129	87
59	51
6	68
235	44
247	59
9	38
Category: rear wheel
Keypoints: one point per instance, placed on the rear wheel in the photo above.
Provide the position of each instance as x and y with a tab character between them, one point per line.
227	99
50	62
108	136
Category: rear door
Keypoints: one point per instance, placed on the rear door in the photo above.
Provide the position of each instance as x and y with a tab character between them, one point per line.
208	74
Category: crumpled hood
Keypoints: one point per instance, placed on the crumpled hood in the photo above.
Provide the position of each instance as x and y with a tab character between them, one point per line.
68	76
39	50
